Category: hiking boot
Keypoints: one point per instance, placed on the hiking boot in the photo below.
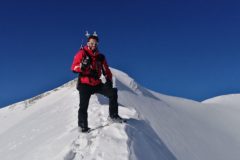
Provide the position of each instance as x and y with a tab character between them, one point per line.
84	129
117	119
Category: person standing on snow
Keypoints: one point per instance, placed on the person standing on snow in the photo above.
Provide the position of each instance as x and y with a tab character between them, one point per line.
90	64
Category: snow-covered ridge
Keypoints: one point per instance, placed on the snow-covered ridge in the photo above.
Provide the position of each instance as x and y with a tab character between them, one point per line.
28	102
159	127
224	99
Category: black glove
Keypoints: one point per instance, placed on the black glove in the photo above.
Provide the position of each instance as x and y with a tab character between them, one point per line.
94	74
85	63
109	83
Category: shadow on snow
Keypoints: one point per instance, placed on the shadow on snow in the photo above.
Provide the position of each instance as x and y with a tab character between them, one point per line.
144	143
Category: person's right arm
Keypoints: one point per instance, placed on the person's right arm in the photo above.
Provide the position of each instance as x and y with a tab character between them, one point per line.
77	61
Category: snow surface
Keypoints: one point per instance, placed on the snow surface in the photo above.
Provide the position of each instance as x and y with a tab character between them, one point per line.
159	126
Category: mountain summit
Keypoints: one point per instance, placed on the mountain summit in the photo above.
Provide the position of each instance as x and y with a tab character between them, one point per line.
158	127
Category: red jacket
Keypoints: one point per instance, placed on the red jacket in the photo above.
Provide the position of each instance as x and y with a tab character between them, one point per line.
95	65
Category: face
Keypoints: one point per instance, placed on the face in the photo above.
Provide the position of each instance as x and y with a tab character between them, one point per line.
92	44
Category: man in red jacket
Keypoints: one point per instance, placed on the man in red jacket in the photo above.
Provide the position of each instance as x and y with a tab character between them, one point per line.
90	64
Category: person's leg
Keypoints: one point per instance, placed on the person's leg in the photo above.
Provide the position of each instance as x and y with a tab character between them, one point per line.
85	92
111	93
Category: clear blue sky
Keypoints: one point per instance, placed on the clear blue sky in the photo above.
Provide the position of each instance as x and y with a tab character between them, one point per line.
188	49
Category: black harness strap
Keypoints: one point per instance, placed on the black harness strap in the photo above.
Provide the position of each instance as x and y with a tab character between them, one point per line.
100	58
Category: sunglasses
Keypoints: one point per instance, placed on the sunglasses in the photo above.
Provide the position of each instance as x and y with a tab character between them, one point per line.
92	44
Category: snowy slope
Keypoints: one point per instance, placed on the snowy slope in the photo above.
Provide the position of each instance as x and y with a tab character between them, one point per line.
45	128
189	129
159	127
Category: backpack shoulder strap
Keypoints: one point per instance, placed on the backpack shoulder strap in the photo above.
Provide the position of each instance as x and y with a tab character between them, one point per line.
101	58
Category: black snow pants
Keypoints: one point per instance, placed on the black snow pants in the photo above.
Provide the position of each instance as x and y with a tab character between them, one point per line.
85	92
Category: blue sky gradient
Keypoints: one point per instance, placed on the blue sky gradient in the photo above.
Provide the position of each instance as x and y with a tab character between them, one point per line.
182	48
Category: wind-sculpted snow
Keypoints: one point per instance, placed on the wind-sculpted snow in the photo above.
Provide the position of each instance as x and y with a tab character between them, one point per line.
126	83
159	126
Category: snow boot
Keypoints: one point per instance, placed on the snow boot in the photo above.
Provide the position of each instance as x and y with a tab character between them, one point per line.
116	119
84	129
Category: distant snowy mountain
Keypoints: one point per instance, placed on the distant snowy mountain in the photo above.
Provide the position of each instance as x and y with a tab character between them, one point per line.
229	100
159	126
